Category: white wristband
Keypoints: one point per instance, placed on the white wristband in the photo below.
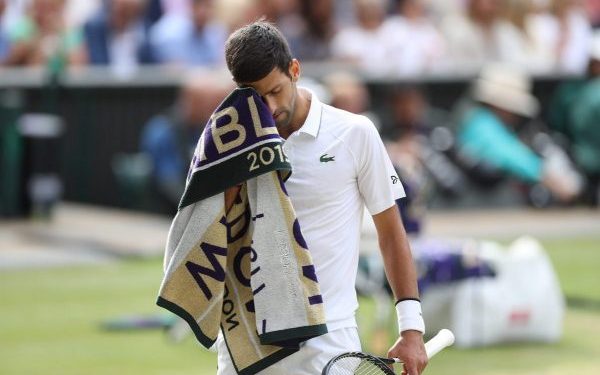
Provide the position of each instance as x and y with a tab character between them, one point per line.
409	316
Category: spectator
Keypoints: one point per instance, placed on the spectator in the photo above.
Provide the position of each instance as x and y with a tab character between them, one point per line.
410	128
77	12
524	40
348	92
280	12
153	11
488	131
169	138
440	9
585	126
42	36
420	162
237	13
417	46
573	34
311	39
172	7
4	39
593	10
117	37
344	13
366	44
196	40
473	36
560	105
565	97
14	12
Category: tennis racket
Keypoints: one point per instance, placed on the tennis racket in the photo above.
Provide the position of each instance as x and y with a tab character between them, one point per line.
365	364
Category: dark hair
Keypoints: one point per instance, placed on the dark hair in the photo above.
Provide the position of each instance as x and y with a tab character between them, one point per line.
254	50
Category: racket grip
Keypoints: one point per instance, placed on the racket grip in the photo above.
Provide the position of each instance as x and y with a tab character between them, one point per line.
443	339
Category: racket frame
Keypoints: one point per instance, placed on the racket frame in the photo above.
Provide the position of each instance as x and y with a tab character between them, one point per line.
441	340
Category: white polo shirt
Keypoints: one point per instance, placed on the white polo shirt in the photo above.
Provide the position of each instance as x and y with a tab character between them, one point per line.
339	166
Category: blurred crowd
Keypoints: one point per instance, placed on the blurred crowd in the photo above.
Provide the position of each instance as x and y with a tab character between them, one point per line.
497	135
495	140
383	37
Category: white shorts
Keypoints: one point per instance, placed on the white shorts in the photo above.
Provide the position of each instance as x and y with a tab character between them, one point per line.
309	360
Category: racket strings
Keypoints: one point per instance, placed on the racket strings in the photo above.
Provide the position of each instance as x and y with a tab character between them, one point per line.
358	366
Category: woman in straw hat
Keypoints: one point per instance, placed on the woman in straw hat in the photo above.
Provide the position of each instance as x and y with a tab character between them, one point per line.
487	132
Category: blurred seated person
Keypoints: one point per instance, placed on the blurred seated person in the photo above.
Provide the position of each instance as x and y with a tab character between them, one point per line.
197	39
592	8
169	138
283	13
573	32
42	37
584	124
78	12
4	39
416	147
350	93
117	36
473	35
488	132
368	43
417	45
237	13
311	36
153	11
567	94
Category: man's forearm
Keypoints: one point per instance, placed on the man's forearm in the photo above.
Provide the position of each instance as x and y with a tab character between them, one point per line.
397	257
399	268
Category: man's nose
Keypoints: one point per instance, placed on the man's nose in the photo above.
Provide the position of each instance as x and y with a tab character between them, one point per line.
270	103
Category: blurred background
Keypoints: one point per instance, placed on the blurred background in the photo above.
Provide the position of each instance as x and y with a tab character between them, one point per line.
489	109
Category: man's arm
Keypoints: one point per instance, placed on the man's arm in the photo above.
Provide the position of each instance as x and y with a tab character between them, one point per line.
401	275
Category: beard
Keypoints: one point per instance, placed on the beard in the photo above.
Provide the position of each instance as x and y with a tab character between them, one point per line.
284	120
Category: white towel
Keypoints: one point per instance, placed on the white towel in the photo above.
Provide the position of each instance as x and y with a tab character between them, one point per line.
247	272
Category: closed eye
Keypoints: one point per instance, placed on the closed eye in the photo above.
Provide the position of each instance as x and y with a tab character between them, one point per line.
275	91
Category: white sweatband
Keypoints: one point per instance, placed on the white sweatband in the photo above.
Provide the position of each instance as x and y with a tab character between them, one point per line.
409	316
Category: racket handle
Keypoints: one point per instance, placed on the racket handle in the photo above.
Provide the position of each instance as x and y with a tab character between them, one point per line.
443	339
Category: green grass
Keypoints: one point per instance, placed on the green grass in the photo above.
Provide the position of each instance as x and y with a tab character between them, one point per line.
49	324
577	263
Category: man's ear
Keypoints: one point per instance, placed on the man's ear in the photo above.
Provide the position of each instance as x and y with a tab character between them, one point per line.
294	70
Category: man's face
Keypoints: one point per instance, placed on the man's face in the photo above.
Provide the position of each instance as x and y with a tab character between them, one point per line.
278	91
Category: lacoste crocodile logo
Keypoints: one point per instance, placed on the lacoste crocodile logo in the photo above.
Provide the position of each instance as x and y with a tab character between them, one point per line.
326	158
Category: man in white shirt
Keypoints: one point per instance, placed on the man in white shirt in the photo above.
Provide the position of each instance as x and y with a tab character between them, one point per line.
339	166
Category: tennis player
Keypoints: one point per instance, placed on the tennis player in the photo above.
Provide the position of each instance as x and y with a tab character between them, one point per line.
339	166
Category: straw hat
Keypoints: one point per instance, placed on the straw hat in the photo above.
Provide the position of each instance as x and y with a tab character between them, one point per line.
506	87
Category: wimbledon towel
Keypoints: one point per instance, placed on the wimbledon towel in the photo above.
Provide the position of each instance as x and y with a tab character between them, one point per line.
247	272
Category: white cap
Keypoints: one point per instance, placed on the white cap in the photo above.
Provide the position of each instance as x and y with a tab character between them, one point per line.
506	87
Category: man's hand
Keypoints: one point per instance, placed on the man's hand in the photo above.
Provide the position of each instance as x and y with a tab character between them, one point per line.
411	350
230	195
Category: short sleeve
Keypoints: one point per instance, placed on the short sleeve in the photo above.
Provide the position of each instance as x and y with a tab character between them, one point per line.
378	181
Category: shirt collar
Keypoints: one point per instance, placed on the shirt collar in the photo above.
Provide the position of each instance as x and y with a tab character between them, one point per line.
313	119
